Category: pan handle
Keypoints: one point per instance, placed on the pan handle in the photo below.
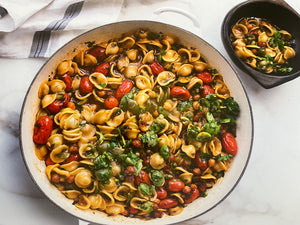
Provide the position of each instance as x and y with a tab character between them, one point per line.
182	12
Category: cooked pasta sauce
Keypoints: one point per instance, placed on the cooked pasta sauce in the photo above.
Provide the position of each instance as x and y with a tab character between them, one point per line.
139	126
263	46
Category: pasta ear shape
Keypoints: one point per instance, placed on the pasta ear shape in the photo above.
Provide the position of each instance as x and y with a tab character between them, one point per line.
134	118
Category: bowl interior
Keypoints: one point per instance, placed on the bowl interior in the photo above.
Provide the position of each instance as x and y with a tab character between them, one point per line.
277	15
36	167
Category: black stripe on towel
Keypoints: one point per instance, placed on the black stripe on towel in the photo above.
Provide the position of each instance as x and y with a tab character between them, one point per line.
41	38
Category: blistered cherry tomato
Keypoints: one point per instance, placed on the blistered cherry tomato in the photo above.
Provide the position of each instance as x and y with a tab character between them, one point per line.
55	106
161	193
103	68
68	81
111	102
168	203
202	164
205	77
180	93
72	157
175	185
85	86
98	52
143	177
156	68
123	89
229	143
49	161
207	90
42	130
191	196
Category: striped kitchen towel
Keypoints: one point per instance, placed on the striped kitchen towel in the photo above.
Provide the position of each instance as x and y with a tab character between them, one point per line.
37	28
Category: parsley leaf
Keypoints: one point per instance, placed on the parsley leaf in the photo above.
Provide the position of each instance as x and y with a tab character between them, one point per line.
145	189
184	105
225	157
150	138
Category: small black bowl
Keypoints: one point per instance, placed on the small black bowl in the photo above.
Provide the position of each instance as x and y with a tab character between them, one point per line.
279	14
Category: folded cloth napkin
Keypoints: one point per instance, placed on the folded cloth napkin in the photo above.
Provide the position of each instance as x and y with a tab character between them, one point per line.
16	13
39	27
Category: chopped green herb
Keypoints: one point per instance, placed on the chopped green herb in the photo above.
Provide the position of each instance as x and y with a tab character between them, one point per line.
157	178
184	105
165	152
193	132
147	206
225	157
162	111
150	138
145	189
102	161
103	175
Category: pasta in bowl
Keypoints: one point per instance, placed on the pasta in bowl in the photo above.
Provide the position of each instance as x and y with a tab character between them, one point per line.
136	125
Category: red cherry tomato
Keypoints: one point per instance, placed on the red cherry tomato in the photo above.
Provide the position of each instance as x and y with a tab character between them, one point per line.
73	157
103	68
192	196
42	130
175	185
111	102
161	193
68	81
49	161
98	52
143	177
167	203
55	106
205	77
207	90
123	89
180	93
229	143
202	164
66	99
85	86
156	68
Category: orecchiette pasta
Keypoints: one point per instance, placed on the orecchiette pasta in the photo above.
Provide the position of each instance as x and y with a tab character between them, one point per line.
139	126
263	45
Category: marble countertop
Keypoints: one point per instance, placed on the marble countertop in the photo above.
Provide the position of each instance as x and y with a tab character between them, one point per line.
268	193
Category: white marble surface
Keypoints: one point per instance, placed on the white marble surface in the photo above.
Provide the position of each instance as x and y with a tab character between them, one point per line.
269	192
